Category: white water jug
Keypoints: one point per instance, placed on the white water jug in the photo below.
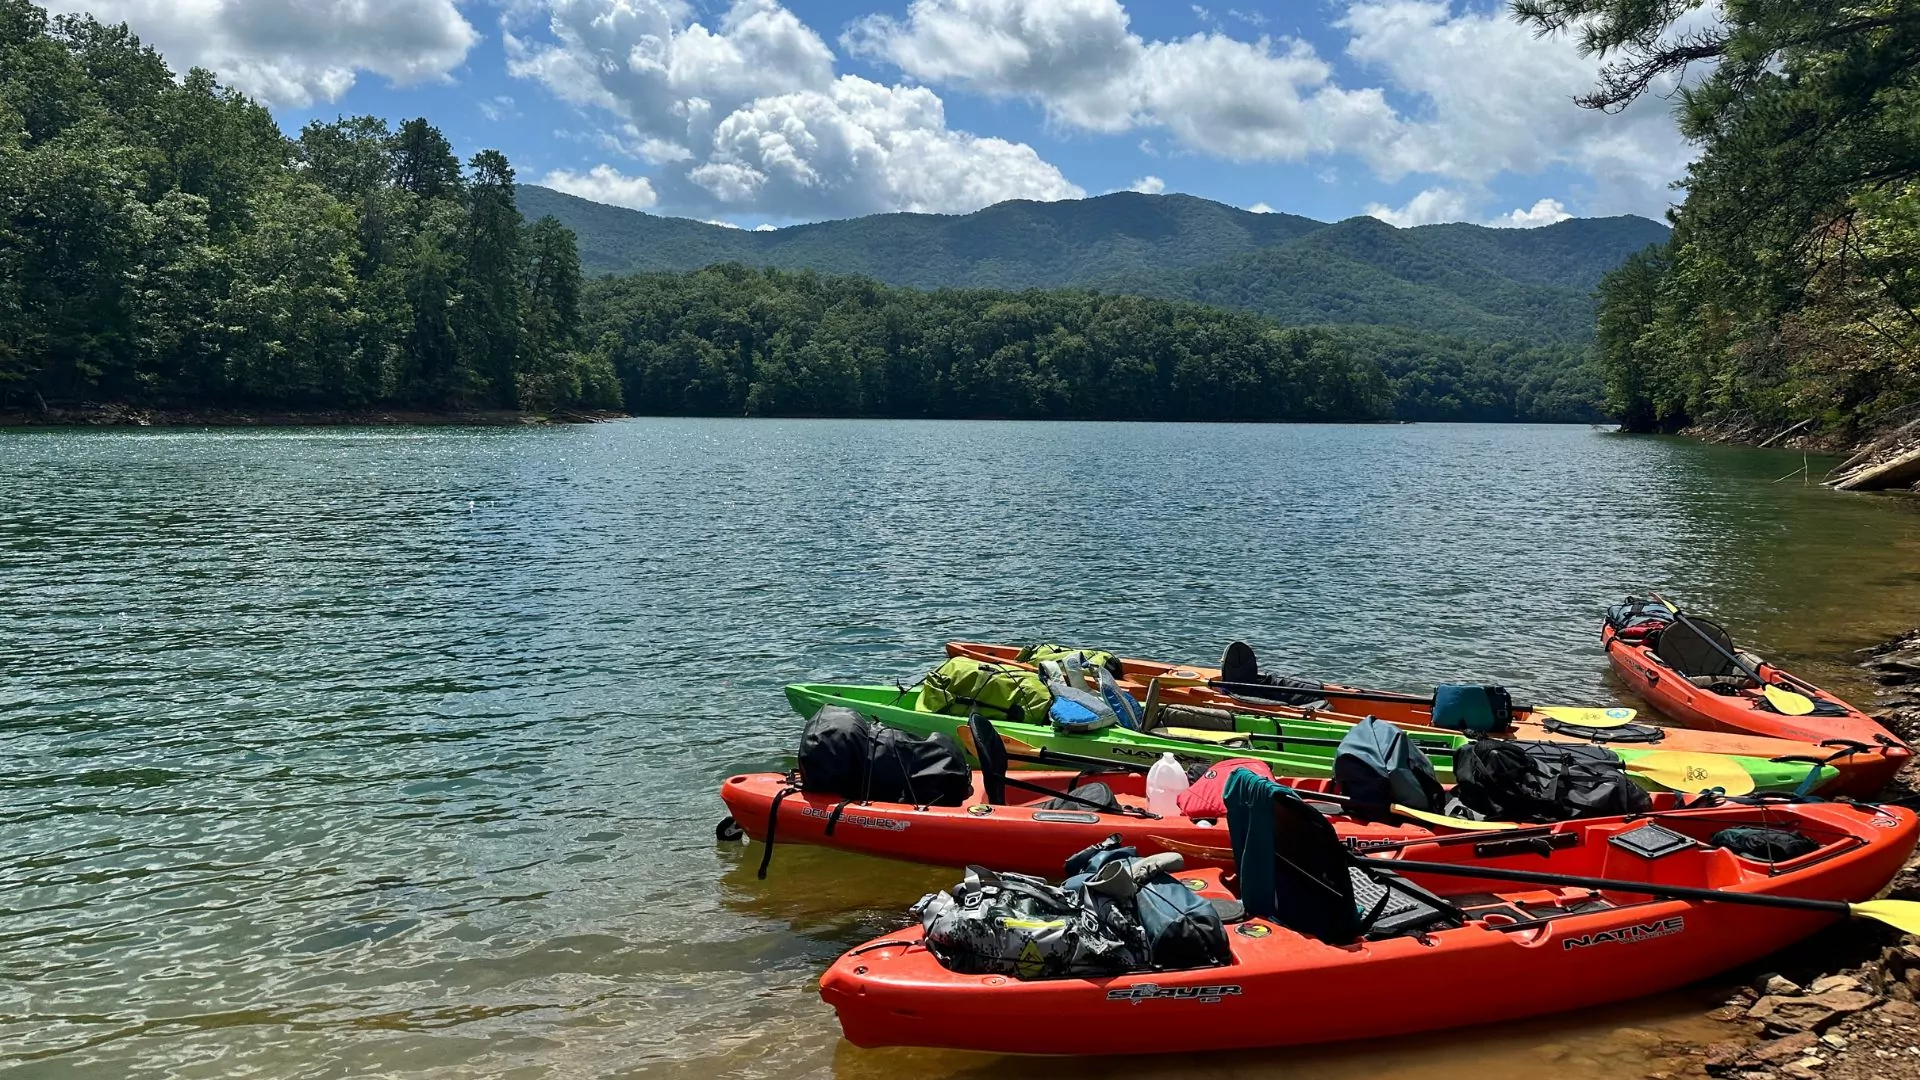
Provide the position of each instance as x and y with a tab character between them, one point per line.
1165	781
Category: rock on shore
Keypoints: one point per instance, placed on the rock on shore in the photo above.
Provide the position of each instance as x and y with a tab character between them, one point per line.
1861	1022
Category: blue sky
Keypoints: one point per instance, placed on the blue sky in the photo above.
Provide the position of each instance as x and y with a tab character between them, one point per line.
755	112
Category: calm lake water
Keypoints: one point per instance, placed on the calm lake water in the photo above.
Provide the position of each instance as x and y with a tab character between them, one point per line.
361	752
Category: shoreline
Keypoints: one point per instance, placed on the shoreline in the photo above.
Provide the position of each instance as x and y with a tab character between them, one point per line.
98	415
92	415
1849	1010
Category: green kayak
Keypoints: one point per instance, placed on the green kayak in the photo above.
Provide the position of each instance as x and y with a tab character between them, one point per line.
1294	747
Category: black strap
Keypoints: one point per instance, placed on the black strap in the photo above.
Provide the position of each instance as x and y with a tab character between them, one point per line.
773	821
1070	797
834	818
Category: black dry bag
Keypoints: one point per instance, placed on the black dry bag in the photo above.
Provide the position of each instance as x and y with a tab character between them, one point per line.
844	753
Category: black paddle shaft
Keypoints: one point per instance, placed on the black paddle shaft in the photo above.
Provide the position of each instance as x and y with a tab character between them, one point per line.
1671	892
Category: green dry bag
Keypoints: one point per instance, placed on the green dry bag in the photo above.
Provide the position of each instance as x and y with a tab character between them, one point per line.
961	685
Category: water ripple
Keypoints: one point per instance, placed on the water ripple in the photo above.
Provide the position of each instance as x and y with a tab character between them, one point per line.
346	753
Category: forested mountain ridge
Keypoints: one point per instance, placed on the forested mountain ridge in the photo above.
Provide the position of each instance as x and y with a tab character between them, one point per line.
1533	285
163	244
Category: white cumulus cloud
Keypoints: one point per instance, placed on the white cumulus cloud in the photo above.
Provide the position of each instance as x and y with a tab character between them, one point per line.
1543	212
1148	185
1260	208
1267	98
1480	94
1430	207
604	184
750	115
296	52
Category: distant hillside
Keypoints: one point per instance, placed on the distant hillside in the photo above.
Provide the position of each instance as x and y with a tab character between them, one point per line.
1529	285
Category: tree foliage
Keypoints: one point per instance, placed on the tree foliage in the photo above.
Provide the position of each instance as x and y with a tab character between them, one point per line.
731	340
1786	290
162	241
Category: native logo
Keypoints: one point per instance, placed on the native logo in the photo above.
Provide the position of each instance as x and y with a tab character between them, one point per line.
1208	995
1628	935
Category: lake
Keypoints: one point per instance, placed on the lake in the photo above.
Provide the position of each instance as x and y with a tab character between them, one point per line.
394	751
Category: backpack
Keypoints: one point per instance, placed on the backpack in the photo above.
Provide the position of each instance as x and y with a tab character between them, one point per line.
1078	712
1131	713
962	685
1013	924
1099	794
1763	844
1376	765
1206	796
1638	618
1498	780
1169	926
844	753
1472	708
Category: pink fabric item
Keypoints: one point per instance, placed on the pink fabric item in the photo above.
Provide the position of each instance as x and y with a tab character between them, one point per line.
1204	798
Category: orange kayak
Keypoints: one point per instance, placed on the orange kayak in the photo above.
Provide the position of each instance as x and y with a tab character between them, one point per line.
1195	684
1019	835
1511	949
1869	754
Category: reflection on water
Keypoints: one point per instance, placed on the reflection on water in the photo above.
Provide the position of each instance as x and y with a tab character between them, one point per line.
337	753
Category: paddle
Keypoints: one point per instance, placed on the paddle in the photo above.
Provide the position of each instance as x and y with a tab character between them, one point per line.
1903	915
1677	770
1786	701
1568	714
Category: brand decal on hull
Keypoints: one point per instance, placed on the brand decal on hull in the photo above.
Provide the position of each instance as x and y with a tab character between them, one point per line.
1628	935
862	821
1210	995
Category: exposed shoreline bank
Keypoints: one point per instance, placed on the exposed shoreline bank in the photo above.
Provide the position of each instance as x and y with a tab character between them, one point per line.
1886	460
110	415
1849	1009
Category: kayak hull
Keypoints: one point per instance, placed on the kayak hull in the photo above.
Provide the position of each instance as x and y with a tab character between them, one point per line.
1021	837
1282	989
1306	746
1863	773
1350	703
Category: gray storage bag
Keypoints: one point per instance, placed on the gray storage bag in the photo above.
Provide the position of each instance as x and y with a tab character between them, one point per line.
1013	924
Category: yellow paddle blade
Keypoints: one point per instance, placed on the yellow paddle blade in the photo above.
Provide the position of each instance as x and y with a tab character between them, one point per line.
1198	735
1787	701
1463	824
1013	745
1902	915
1677	770
1595	718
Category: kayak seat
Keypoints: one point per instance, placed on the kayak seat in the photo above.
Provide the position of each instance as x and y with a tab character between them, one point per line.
1294	871
1704	648
1398	907
992	754
1240	676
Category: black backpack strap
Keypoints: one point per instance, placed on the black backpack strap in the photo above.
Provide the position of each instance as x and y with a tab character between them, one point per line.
773	822
833	819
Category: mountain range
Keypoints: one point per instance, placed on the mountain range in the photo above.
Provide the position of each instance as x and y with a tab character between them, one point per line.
1532	286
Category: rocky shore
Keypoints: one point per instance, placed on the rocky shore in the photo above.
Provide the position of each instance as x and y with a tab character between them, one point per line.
116	415
1887	461
1847	1008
